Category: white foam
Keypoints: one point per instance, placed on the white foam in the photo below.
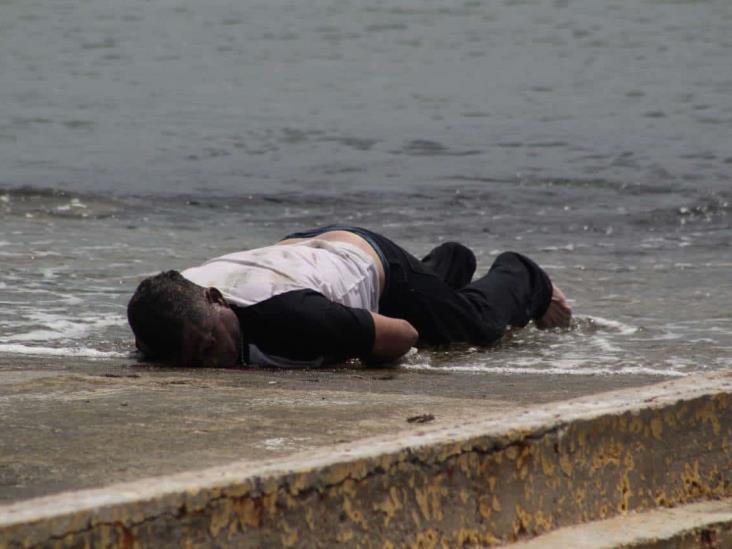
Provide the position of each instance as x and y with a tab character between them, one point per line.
553	370
566	248
617	326
74	203
17	348
66	299
55	327
605	345
44	253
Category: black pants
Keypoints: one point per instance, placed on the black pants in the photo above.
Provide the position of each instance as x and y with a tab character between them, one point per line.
438	297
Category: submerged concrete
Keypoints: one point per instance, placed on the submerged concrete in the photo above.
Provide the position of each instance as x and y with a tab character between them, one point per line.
482	476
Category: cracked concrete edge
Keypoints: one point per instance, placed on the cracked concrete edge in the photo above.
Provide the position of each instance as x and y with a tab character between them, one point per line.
704	524
492	480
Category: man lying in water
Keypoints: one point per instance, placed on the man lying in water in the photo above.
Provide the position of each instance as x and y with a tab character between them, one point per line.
334	293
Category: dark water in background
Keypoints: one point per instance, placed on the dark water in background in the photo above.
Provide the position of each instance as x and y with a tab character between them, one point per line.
594	135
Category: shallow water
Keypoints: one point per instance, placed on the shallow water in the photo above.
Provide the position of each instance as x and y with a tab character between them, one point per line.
593	136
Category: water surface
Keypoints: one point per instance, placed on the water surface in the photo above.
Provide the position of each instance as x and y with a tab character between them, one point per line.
593	136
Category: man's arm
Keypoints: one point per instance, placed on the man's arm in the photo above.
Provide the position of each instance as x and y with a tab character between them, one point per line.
393	337
304	325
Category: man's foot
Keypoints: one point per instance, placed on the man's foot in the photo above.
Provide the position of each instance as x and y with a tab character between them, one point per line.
559	313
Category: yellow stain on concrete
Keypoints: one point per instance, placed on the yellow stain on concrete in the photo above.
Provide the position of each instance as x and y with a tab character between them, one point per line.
345	535
662	500
415	519
348	487
565	463
289	538
427	539
670	418
485	507
466	537
219	517
353	513
522	522
496	504
693	483
390	506
423	503
248	512
606	455
708	414
656	425
548	464
310	519
543	523
636	424
625	493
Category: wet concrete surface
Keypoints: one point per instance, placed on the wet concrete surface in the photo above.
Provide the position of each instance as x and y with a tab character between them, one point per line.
95	423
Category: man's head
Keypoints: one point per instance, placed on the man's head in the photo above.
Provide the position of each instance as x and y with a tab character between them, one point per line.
174	319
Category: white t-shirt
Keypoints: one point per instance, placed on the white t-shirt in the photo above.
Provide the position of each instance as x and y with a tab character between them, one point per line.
340	271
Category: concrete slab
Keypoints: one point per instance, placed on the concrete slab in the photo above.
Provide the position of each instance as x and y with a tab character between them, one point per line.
491	478
68	426
706	524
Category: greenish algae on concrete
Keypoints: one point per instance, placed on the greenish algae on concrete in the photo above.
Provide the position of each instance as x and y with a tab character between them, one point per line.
486	480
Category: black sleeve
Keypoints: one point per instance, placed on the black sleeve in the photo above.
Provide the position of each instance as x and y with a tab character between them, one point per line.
305	325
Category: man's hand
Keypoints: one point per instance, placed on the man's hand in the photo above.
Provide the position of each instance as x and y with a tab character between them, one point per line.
559	313
393	337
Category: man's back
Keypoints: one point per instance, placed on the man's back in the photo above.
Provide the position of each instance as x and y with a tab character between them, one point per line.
339	270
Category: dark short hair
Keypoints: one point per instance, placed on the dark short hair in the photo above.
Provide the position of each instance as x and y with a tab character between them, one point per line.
157	310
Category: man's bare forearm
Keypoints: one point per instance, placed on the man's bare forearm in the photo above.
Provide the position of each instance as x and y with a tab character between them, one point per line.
393	337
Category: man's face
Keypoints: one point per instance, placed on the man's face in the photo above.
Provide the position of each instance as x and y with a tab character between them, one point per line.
215	343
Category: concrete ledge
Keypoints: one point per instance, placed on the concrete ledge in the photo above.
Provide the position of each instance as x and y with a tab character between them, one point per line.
492	480
706	524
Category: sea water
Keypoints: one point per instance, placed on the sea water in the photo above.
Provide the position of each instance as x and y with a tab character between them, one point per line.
594	136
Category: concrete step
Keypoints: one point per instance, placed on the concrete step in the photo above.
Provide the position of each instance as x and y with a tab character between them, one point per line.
100	423
706	525
492	478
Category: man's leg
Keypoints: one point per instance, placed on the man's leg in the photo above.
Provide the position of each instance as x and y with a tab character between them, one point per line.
514	291
453	263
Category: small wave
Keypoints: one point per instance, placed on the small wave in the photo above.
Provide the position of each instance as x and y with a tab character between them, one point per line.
553	370
39	201
60	327
710	208
606	324
20	349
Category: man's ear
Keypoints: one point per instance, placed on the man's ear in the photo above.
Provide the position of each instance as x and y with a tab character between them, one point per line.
214	296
